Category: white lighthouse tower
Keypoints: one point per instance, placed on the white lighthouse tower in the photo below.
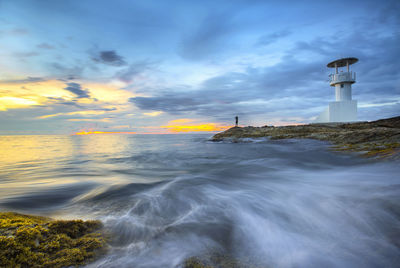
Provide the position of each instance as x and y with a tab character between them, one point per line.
344	108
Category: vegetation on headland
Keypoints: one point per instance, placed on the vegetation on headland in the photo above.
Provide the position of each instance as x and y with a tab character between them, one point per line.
379	138
34	241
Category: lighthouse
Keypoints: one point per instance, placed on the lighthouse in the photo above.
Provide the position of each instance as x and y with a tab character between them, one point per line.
344	108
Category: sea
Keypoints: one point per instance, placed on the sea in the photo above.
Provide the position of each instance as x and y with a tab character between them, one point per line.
165	198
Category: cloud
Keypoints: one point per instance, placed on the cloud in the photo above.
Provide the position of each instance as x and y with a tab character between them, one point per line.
292	87
26	54
268	39
181	121
62	101
74	71
169	102
156	113
7	102
28	79
77	90
255	91
30	91
45	46
82	113
133	70
208	38
18	31
194	42
109	57
390	12
103	120
120	127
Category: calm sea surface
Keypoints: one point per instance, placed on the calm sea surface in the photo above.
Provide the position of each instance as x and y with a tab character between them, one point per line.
286	203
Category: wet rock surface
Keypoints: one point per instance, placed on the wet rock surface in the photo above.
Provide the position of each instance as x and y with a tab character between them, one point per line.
379	138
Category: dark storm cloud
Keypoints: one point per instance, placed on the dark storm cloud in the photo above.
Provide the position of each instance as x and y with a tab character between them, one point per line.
77	90
109	57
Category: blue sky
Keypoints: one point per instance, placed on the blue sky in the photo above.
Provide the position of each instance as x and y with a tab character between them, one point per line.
153	66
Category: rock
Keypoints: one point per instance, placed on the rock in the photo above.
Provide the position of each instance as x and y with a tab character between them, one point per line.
379	138
34	241
218	259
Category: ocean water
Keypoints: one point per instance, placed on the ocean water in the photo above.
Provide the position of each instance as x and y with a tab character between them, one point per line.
290	203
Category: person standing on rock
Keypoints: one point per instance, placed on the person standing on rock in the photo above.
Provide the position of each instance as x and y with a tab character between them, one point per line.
237	120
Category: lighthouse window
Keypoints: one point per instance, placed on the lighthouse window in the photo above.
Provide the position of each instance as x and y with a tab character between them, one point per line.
341	85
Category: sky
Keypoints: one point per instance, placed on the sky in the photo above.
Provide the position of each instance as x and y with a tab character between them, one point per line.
185	66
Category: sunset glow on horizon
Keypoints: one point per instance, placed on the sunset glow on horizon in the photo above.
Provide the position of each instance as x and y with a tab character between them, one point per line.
173	127
210	127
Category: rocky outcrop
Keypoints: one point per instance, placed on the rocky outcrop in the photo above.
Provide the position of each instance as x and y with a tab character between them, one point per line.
34	241
379	138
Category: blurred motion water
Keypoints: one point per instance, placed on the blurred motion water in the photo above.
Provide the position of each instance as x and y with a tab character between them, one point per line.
289	203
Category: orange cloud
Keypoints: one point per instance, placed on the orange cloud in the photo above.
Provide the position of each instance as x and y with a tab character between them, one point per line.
9	102
88	112
32	93
120	126
25	94
181	121
153	113
108	93
90	120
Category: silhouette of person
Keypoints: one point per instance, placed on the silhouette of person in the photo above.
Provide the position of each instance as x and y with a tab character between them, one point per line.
237	120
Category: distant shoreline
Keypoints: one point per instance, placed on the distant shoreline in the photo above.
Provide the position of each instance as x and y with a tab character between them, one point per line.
380	138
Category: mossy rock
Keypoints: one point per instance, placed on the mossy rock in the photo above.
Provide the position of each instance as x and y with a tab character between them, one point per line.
34	241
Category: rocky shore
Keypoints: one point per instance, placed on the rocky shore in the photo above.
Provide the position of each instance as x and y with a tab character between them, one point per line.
35	241
379	138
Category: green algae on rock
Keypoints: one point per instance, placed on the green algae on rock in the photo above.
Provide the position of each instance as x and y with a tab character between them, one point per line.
379	138
34	241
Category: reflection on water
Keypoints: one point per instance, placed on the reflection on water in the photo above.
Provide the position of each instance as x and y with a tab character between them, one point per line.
29	149
167	197
34	163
